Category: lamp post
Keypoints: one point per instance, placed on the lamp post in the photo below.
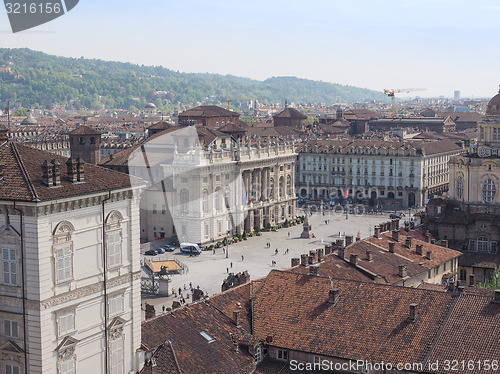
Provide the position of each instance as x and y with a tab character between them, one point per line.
227	249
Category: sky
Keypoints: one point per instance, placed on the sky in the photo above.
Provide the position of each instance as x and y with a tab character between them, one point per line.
439	45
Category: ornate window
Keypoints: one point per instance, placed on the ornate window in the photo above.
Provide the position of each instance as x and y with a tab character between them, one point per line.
65	322
115	304
489	191
217	200
496	133
10	328
63	252
9	266
289	185
205	201
67	367
12	369
482	244
116	356
460	187
114	239
184	201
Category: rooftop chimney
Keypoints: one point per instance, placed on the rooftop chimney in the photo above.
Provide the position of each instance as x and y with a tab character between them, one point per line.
354	259
472	280
420	249
496	299
433	241
236	317
341	252
403	271
47	170
71	170
303	260
429	255
444	243
313	254
451	286
295	261
376	232
391	246
56	173
427	237
333	296
413	312
314	270
310	260
395	235
80	170
319	254
348	240
409	241
369	255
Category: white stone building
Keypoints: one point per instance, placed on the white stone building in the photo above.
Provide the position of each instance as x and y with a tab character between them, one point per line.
385	175
70	274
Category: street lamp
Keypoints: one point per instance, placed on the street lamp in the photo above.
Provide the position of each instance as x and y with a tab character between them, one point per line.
227	248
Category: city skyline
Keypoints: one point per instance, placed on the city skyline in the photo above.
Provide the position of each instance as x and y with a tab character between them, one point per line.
441	45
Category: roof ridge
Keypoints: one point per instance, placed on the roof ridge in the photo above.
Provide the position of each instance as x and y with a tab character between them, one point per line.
175	357
23	172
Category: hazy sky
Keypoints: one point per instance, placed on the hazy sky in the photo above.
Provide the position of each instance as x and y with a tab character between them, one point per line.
440	45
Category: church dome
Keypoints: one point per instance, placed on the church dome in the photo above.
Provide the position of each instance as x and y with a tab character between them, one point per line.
30	120
493	108
150	106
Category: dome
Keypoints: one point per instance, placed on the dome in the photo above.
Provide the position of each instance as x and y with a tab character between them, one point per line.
493	108
150	106
30	120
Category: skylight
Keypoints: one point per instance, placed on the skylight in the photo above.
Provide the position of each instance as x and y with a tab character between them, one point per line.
206	336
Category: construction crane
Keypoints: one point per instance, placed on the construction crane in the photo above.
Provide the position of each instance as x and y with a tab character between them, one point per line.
392	94
229	102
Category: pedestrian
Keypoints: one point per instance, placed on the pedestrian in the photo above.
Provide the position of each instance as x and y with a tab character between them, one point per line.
214	251
288	233
242	258
223	250
184	285
276	251
190	285
180	290
231	265
163	308
227	270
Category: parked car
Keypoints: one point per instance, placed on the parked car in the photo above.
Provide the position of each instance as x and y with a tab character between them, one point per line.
151	252
169	248
394	216
191	248
160	250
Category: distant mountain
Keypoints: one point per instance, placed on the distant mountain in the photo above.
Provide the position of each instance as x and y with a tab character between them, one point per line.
40	80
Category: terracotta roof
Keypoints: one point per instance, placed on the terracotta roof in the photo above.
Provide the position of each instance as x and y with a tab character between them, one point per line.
162	125
480	260
208	111
194	352
164	359
290	113
471	334
23	178
85	130
232	128
369	321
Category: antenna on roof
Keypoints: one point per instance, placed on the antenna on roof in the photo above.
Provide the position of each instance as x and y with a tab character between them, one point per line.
331	282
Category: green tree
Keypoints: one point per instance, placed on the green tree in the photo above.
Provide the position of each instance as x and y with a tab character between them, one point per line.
21	112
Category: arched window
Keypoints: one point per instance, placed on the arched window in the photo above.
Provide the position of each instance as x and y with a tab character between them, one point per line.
114	239
289	185
482	244
489	191
184	201
282	187
205	201
271	188
63	252
460	188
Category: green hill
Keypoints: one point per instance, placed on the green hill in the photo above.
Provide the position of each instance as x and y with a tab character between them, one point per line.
40	80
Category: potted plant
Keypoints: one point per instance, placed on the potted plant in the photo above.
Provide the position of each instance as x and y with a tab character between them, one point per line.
244	235
268	226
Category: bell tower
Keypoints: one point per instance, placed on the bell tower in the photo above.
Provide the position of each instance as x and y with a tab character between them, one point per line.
85	142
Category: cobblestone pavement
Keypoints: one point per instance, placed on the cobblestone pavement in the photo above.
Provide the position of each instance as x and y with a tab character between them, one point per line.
208	270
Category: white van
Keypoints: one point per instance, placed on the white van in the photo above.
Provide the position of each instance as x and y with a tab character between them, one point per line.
190	248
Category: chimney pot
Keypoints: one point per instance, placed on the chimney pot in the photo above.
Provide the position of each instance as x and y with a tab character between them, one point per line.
303	260
310	260
313	254
420	249
348	240
403	271
376	232
395	235
413	312
497	297
368	255
409	241
47	170
472	280
80	169
314	270
429	255
341	252
433	241
295	261
56	173
333	295
319	254
353	259
236	317
451	286
444	243
71	170
392	246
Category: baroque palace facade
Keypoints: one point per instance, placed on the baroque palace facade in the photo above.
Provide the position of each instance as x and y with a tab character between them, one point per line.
70	274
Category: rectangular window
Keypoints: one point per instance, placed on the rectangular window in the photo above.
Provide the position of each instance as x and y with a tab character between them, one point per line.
66	323
63	263
184	180
10	328
206	231
154	209
163	209
12	369
444	266
496	133
9	265
282	354
115	304
114	245
67	367
116	353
